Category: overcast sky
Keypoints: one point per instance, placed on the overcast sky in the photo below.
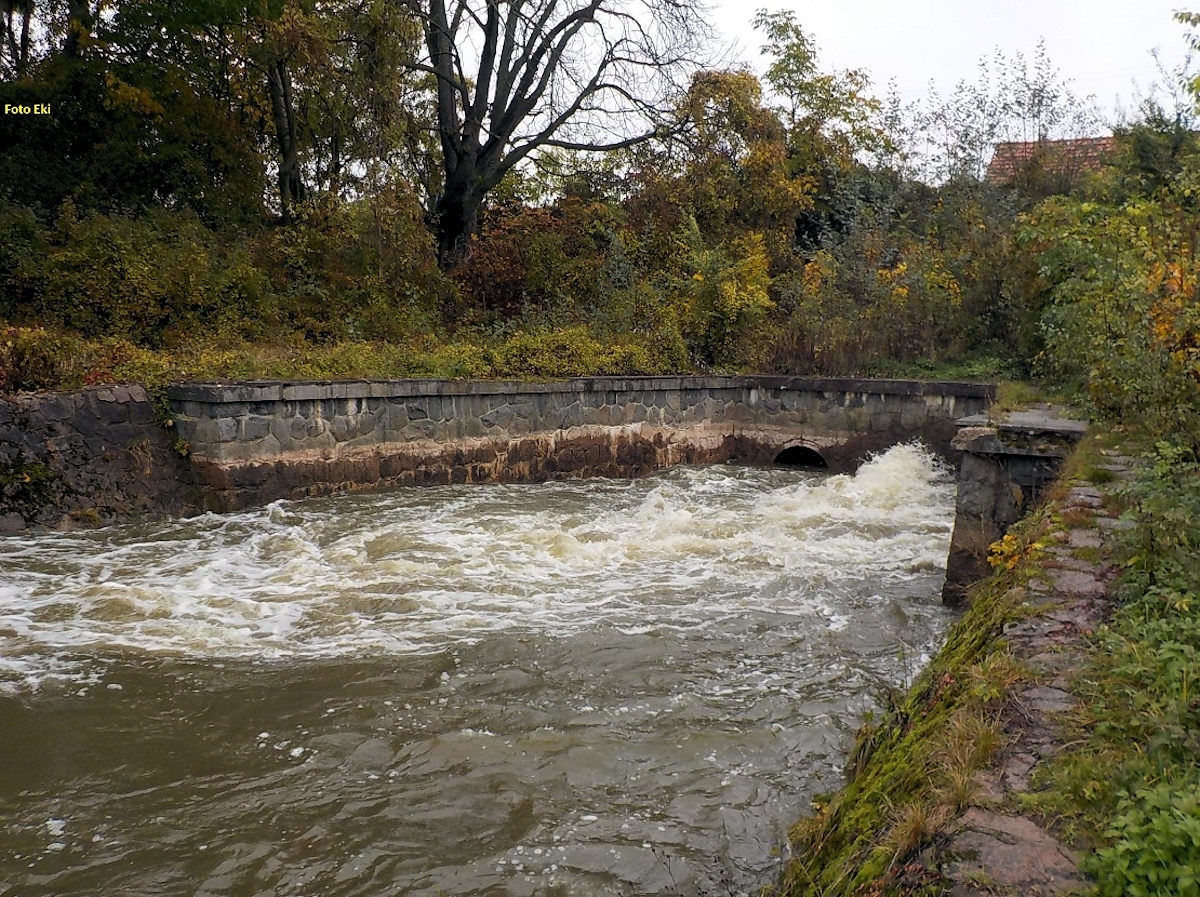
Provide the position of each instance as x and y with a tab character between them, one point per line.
1102	46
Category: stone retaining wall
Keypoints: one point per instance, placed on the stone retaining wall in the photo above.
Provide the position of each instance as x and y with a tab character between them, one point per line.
85	456
257	441
1004	467
99	453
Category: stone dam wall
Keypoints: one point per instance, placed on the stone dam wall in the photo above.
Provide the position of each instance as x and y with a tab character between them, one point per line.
101	453
254	442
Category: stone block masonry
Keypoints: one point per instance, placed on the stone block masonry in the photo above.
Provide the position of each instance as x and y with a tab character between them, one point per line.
1004	467
252	442
99	453
87	456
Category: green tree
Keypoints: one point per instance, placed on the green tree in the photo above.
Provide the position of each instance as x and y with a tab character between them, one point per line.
828	114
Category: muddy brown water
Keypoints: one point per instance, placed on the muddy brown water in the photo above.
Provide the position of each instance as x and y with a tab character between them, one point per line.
594	687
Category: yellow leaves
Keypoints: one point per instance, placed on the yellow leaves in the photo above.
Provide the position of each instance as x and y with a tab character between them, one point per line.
726	297
129	98
1180	281
1008	552
821	270
1175	330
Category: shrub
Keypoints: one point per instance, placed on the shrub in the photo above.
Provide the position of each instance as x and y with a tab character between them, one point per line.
1156	846
34	358
1122	324
137	278
356	270
725	299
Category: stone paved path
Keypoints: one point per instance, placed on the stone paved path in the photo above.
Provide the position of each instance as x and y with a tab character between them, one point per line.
993	849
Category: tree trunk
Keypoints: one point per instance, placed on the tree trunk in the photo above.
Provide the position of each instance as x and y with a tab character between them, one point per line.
23	58
79	28
457	218
16	46
291	184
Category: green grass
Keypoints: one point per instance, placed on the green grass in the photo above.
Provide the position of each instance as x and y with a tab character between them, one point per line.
973	368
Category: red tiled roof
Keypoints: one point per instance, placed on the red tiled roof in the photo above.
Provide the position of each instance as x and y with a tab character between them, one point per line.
1059	156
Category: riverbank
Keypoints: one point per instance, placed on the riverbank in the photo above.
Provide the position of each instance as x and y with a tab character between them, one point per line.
1035	755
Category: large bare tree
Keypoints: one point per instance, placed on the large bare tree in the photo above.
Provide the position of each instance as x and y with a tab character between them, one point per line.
513	76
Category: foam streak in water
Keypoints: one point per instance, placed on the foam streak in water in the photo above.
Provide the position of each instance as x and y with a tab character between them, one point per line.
417	569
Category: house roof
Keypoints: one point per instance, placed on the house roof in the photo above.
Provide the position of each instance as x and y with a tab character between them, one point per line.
1068	157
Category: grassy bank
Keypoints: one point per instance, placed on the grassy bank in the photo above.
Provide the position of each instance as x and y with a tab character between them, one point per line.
1121	787
40	358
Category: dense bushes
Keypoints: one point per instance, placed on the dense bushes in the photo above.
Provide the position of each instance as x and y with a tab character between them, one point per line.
1122	321
344	271
33	358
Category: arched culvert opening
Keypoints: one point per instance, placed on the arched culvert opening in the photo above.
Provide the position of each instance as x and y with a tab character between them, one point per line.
801	456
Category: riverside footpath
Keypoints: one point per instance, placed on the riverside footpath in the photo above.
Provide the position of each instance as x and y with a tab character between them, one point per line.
995	848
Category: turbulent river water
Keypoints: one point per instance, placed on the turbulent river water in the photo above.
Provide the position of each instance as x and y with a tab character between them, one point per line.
603	687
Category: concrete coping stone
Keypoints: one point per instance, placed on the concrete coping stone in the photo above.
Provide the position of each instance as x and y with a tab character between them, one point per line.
222	393
1032	422
129	392
991	440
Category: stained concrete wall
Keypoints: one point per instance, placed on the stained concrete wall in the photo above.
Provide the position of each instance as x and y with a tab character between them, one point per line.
257	441
1005	465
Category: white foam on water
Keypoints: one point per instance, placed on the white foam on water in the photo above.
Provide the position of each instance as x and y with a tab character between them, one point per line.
415	569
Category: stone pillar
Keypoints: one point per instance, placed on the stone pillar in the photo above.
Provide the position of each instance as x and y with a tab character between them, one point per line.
988	503
1004	467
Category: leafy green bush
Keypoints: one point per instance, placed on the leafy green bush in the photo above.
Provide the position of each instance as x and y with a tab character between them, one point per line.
355	270
1156	846
574	352
140	278
725	298
22	247
1164	548
1122	324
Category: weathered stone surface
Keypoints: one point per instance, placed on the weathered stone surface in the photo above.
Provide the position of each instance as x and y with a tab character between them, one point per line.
1068	561
1084	498
1084	539
1080	583
255	428
296	425
1009	852
1047	699
95	453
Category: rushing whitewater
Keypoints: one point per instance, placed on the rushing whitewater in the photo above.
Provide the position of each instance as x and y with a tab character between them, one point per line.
585	687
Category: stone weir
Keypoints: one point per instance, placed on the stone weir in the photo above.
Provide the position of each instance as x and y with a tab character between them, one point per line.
253	442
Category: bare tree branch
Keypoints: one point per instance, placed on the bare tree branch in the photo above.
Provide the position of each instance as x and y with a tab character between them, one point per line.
563	74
